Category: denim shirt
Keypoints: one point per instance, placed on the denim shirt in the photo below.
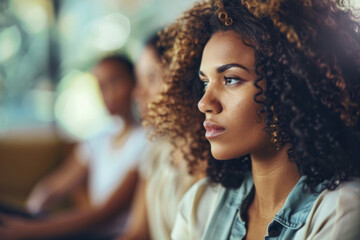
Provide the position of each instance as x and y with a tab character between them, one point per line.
227	223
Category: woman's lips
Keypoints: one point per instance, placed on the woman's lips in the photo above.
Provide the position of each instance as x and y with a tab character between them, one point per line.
213	130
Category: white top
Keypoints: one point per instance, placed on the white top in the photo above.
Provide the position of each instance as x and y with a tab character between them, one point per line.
195	210
335	214
166	184
108	165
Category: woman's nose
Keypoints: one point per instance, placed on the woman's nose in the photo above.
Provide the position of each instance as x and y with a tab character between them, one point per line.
210	103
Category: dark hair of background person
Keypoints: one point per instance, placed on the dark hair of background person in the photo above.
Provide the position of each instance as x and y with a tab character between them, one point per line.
307	51
154	42
123	61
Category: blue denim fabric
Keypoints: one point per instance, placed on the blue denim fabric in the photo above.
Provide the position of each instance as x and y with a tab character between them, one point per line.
227	224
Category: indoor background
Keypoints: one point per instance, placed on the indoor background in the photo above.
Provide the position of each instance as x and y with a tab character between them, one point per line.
48	96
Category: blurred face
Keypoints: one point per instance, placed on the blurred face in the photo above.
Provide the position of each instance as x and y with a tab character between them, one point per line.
149	79
116	86
232	125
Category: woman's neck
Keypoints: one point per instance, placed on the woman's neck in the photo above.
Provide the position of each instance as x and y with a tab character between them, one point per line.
274	177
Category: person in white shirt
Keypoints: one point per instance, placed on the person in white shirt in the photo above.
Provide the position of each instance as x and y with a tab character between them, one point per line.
108	163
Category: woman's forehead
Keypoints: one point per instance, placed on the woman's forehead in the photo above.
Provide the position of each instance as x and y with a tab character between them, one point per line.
227	47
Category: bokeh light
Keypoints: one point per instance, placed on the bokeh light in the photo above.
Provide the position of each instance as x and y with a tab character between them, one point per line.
79	109
35	15
112	31
10	42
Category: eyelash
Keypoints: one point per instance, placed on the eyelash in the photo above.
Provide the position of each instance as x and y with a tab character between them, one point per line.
227	82
206	84
228	79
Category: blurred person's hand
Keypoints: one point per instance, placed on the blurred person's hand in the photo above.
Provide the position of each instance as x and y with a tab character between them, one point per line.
57	185
41	198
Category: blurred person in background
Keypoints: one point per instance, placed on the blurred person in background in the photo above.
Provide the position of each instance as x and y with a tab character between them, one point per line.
107	162
164	175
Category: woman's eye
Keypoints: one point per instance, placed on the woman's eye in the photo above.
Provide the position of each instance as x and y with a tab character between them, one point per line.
205	84
231	81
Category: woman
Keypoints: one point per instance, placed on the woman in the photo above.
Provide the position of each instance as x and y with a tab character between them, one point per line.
278	89
108	163
164	175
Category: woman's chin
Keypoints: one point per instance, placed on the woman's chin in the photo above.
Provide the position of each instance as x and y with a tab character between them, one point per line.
221	154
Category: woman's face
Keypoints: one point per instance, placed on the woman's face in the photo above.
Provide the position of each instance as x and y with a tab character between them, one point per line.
116	86
149	79
232	124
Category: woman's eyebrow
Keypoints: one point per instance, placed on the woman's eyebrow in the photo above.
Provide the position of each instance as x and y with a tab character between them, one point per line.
225	67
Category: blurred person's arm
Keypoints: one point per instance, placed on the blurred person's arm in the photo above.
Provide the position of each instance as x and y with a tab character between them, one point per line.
71	222
58	184
138	228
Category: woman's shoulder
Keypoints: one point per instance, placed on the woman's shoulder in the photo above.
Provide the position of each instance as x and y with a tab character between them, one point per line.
336	213
345	196
343	200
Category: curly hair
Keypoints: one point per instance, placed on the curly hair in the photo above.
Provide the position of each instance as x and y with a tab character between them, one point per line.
307	52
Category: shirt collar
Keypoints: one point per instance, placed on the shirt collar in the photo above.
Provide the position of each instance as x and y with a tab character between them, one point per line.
298	205
242	192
